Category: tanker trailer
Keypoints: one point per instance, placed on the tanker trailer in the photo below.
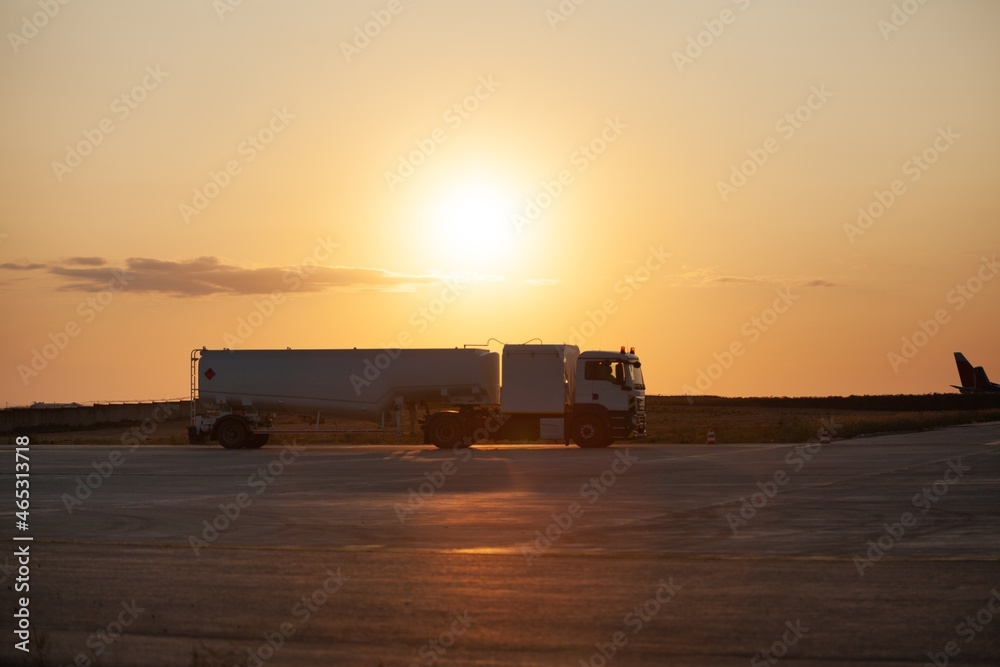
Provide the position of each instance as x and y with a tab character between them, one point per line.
242	390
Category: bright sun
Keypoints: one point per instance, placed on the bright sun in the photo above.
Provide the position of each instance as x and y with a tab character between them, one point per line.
471	226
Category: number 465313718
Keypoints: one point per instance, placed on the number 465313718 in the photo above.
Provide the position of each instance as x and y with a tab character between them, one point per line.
21	484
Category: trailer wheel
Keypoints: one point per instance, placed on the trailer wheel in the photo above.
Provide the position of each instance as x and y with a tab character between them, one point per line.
445	431
232	433
590	431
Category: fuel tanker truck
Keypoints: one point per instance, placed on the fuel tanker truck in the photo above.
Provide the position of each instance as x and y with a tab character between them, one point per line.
548	392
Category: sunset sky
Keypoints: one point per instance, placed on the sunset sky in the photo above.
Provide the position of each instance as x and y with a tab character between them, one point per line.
764	198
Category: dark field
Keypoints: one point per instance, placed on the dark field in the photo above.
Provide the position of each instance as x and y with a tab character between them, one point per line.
678	419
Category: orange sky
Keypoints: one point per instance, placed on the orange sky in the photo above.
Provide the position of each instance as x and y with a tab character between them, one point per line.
764	198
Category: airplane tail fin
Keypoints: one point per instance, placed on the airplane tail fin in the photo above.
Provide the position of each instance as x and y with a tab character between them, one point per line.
982	381
966	372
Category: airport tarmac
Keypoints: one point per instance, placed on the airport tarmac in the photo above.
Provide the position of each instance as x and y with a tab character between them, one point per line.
871	551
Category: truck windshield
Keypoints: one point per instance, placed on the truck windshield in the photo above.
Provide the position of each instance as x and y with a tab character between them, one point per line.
635	377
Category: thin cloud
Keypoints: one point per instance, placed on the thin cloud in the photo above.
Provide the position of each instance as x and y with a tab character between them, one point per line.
87	261
206	276
738	280
708	277
13	266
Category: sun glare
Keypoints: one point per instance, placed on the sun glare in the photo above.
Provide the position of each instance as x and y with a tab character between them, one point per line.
471	227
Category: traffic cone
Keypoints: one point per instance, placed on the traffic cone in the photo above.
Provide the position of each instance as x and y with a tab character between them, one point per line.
824	437
711	437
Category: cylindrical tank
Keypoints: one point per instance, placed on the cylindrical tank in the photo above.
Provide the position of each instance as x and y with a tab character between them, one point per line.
348	383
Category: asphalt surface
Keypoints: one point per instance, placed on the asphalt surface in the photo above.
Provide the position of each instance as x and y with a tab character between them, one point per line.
877	551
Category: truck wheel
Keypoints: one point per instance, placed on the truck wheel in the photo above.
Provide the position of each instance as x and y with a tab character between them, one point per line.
589	431
445	431
232	433
258	440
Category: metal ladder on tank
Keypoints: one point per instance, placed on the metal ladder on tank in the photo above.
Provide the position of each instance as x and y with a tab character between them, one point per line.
194	383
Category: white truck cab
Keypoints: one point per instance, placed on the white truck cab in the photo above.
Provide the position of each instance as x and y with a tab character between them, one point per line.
610	386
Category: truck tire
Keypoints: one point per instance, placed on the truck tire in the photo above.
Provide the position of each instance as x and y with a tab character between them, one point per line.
445	431
589	431
258	440
232	433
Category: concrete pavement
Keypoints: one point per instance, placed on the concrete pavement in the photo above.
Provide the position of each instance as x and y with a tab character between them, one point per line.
869	551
